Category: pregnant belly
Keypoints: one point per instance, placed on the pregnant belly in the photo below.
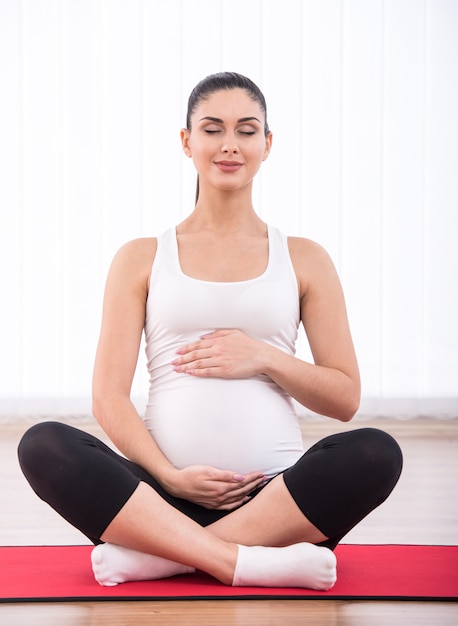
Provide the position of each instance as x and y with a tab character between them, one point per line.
238	425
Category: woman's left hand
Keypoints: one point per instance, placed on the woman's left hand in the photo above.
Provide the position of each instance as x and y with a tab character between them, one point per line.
222	354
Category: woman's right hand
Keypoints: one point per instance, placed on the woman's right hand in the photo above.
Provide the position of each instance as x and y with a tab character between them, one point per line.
213	488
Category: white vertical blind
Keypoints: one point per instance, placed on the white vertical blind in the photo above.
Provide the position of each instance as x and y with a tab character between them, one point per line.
362	99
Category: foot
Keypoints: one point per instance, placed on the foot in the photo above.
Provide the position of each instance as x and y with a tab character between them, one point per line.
298	565
114	564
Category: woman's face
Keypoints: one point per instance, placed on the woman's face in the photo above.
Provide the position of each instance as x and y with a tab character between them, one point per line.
227	141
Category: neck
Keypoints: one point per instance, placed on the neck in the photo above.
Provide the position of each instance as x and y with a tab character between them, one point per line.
224	211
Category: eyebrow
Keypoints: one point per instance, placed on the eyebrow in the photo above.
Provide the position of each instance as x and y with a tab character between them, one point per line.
220	121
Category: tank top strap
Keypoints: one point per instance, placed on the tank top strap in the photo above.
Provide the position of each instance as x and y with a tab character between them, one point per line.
166	253
279	256
277	242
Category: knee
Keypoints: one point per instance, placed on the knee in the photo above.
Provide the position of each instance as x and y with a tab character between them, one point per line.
382	454
38	446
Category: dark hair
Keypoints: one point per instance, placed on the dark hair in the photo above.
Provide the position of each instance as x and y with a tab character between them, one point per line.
218	82
224	81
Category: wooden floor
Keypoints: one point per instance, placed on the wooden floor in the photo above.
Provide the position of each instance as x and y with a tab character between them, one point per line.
422	509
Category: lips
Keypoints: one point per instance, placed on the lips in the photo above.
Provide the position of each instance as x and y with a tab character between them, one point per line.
228	166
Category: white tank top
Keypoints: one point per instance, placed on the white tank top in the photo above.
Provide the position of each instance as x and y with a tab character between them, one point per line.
240	425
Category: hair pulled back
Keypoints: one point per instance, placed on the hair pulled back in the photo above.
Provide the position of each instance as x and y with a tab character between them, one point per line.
225	81
219	82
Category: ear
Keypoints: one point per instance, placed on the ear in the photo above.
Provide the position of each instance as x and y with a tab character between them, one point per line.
268	146
184	134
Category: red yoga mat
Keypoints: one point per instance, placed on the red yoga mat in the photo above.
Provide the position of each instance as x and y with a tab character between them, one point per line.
365	572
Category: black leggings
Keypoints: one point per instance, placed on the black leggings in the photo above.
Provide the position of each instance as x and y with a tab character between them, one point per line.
336	483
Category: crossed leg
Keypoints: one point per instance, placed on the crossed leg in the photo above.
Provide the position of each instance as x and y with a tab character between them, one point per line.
267	542
341	478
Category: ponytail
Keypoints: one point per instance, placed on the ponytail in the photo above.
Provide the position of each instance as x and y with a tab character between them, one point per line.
197	188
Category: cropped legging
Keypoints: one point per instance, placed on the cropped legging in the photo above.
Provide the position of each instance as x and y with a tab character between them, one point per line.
336	483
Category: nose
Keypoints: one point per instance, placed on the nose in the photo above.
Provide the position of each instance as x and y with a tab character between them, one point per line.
230	146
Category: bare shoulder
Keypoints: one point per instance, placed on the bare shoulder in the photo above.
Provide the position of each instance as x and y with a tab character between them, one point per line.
306	249
133	261
137	250
311	261
315	271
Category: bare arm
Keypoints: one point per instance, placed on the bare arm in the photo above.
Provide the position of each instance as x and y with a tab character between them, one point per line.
116	359
117	353
330	386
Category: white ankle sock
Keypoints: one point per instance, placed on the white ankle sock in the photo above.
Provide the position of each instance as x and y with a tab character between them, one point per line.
114	564
298	565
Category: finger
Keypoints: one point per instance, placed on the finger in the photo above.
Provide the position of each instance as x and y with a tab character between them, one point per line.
254	476
221	504
192	355
244	493
204	372
194	361
235	504
221	475
195	345
243	482
253	482
232	494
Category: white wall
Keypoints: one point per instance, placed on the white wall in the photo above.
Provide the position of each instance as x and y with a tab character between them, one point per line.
363	102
